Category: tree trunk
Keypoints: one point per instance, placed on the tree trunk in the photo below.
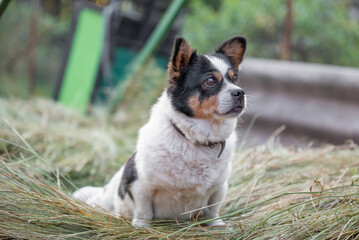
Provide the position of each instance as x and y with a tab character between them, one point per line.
288	27
32	47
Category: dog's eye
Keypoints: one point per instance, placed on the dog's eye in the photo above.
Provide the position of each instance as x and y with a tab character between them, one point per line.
235	78
210	82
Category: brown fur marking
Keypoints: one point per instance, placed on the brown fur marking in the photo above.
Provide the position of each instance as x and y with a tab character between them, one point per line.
205	109
182	59
230	74
234	50
217	75
183	55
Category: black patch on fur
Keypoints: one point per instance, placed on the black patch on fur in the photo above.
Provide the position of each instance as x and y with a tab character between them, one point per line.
191	81
129	175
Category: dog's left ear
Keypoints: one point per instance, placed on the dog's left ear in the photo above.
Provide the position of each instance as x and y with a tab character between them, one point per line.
234	49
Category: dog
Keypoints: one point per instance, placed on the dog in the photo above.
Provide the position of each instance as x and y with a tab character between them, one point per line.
184	153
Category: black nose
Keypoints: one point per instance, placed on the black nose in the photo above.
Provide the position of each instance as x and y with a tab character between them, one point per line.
238	93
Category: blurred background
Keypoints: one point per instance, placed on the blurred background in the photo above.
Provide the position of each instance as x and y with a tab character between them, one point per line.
300	72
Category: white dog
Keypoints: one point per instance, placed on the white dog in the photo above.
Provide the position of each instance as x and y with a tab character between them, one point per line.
184	153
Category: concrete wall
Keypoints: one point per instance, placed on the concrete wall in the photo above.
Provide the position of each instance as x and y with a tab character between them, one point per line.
313	101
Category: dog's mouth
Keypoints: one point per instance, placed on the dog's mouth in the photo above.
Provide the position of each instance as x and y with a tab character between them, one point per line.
236	110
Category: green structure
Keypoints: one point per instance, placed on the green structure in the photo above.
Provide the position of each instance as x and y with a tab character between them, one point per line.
83	61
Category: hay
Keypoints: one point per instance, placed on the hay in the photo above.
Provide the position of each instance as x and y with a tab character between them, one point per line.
275	192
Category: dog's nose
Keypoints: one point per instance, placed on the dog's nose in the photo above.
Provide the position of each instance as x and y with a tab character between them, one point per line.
238	93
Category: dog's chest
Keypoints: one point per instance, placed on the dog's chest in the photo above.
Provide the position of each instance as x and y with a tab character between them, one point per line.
185	166
167	159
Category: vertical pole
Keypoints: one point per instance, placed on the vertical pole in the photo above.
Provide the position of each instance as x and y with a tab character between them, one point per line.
288	28
151	45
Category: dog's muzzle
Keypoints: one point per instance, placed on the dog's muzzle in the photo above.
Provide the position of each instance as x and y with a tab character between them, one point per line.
238	101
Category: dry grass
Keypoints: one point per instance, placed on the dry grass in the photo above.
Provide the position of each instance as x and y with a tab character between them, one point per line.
275	192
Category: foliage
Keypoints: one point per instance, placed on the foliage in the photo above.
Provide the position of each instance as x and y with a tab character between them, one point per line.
14	49
323	30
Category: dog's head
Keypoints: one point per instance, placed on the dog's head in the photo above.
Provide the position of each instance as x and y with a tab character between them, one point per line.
205	86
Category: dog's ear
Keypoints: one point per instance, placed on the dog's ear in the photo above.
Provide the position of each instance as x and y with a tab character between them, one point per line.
234	49
181	56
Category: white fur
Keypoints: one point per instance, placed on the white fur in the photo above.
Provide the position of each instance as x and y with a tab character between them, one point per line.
175	174
218	63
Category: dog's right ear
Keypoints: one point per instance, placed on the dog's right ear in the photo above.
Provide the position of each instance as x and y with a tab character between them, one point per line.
181	56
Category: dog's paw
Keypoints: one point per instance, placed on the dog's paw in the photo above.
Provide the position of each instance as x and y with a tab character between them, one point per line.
138	223
217	223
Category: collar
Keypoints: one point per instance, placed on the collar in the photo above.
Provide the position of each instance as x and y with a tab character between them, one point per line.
209	144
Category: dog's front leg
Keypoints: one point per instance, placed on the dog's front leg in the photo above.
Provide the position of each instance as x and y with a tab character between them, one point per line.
143	212
214	203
